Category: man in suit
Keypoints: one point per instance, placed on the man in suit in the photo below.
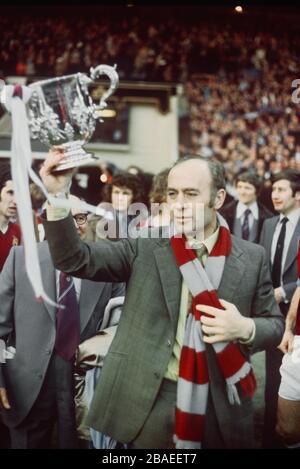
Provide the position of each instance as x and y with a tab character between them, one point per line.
10	235
246	216
37	385
279	237
135	400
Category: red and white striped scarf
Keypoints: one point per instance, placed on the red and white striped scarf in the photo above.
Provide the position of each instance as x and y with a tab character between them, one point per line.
193	382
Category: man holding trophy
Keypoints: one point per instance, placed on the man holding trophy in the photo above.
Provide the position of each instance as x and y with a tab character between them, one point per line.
58	111
143	397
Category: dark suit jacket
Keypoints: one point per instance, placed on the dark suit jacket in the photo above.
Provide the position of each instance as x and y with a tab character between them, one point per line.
290	272
138	358
30	326
229	213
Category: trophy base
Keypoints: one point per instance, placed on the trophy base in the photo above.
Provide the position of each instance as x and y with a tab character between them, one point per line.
75	156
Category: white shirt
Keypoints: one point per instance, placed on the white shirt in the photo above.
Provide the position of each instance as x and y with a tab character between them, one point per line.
241	209
77	285
293	218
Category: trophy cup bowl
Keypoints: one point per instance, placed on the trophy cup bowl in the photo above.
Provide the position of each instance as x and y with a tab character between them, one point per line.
62	113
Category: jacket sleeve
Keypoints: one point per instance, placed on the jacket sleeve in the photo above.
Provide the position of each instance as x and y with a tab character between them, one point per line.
7	295
289	289
269	321
103	260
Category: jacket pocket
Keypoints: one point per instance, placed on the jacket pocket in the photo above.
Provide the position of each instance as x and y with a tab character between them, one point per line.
105	399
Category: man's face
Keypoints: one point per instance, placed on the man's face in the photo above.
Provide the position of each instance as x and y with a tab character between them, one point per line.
121	198
282	196
81	223
246	192
8	206
189	194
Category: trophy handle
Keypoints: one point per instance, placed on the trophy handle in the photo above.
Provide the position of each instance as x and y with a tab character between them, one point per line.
114	81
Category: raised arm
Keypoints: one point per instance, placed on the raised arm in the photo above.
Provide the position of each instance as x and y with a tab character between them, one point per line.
103	260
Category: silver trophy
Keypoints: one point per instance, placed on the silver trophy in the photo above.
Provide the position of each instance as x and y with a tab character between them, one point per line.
62	113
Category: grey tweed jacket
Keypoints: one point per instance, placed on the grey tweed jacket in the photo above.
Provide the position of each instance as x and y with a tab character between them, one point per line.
138	358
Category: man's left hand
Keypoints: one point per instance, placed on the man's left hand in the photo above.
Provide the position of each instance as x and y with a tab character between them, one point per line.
225	325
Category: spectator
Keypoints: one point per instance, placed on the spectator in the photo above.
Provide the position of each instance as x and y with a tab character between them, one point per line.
10	234
246	216
124	190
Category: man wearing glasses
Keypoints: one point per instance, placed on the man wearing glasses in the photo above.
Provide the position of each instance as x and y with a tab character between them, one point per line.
81	223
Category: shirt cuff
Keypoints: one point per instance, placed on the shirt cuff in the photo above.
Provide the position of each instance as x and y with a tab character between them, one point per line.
56	213
252	337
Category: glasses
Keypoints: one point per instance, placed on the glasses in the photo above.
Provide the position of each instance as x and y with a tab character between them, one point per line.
80	218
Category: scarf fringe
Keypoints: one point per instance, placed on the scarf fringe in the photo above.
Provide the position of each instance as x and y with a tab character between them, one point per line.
183	444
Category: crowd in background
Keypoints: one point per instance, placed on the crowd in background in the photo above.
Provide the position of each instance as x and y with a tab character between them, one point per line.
246	123
150	48
237	77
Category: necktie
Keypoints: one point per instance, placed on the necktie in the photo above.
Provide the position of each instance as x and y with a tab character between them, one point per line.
200	250
198	247
67	318
245	225
276	269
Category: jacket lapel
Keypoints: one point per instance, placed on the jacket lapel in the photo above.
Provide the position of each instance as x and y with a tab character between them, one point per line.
48	277
269	235
234	270
293	248
261	219
89	296
171	279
